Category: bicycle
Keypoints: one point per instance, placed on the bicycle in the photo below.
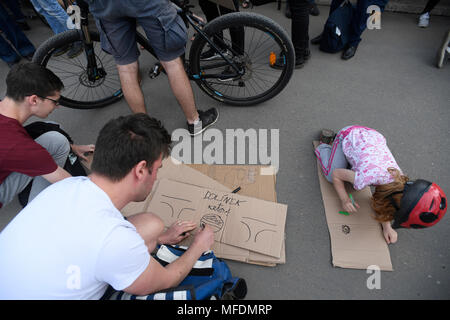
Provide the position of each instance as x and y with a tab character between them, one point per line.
239	76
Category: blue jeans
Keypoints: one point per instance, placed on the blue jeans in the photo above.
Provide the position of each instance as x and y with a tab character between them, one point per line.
359	20
53	13
16	37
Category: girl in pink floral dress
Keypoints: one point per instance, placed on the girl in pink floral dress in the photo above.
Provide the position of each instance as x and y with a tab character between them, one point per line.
359	155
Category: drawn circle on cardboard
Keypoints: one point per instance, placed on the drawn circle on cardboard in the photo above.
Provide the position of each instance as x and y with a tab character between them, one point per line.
214	220
345	229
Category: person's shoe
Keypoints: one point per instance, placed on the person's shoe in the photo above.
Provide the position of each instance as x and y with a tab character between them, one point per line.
23	25
349	52
287	11
327	136
444	51
75	50
317	39
424	20
227	75
207	118
211	54
12	63
29	57
314	11
300	59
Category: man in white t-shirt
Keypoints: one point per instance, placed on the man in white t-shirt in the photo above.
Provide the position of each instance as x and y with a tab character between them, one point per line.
71	241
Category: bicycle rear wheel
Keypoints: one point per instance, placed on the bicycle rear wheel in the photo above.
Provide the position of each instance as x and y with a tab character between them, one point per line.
264	43
80	91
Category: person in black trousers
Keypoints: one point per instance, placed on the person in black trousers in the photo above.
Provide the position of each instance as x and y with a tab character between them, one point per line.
299	30
212	11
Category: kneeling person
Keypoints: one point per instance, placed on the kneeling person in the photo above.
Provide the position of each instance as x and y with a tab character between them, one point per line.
71	242
31	90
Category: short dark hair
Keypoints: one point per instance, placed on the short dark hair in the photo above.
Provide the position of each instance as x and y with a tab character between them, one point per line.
31	78
124	142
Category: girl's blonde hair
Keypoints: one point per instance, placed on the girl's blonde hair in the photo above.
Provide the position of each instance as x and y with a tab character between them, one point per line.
381	203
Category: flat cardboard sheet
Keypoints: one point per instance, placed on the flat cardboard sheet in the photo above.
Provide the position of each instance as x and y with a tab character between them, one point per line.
254	181
357	240
237	220
255	186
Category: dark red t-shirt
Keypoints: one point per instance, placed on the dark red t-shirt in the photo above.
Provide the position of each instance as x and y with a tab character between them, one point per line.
20	153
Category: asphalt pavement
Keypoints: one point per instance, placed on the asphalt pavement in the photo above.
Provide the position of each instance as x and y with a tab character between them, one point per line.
390	85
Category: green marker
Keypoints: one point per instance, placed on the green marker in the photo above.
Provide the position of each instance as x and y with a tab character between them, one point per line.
351	198
345	213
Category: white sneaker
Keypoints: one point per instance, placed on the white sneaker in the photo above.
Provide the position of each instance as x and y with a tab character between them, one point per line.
424	20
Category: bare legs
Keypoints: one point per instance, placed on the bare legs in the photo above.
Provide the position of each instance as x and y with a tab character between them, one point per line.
179	82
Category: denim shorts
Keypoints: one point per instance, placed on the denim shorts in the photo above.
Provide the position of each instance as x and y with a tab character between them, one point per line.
164	28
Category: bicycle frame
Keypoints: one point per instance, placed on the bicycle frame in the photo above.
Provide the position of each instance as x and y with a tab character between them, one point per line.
95	73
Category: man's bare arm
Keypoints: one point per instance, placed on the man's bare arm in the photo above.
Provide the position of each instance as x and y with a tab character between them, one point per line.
56	175
156	277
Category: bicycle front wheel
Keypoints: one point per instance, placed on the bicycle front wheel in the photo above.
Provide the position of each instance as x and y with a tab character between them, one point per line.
82	89
259	48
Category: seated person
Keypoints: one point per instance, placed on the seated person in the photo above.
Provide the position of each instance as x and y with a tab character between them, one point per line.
32	90
71	242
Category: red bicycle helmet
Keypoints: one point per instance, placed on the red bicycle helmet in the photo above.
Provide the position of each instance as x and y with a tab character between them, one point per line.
423	204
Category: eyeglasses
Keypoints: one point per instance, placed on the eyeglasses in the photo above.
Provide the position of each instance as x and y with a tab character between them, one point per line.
56	102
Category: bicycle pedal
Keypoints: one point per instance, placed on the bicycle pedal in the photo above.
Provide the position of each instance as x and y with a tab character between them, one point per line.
155	71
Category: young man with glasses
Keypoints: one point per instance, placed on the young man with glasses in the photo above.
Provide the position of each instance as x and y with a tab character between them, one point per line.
32	90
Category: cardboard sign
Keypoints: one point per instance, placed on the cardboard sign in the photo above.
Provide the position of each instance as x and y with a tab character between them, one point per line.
224	178
255	182
357	240
237	220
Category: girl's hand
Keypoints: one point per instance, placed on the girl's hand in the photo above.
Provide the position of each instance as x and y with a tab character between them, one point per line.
390	235
348	206
80	150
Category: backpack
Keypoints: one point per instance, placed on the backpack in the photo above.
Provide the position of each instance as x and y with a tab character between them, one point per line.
337	28
209	279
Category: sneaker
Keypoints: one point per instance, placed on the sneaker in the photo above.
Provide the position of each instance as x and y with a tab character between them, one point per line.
29	57
314	11
300	60
75	49
211	54
227	75
23	25
424	20
207	119
327	136
12	63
